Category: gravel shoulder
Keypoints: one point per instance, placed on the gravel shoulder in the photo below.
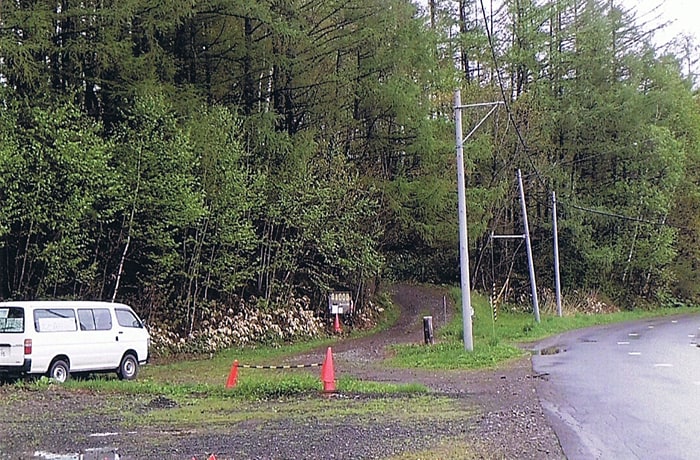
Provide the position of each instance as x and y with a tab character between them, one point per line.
499	415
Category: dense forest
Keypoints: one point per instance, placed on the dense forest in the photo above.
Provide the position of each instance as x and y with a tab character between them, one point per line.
221	165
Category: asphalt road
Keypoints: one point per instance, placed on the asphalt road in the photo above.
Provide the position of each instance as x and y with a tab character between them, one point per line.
626	391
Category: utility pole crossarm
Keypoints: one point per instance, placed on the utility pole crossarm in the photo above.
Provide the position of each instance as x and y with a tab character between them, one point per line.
479	104
508	237
481	122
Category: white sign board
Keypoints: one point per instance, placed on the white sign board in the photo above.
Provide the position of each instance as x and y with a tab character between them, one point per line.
340	302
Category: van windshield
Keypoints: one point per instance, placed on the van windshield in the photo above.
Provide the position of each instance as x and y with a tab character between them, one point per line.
11	319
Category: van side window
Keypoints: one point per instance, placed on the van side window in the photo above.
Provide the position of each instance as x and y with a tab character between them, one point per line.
54	320
94	319
12	319
126	318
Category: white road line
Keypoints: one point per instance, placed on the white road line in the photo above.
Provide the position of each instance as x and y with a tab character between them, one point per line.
650	327
623	343
674	321
632	334
635	353
663	365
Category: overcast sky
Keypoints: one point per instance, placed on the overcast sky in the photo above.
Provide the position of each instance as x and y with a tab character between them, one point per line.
685	15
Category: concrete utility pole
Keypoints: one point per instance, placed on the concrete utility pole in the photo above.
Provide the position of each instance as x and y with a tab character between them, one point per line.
557	281
467	311
528	245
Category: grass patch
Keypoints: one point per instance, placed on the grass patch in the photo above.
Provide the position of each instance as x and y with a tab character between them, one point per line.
455	449
256	385
451	355
214	370
398	408
352	385
499	341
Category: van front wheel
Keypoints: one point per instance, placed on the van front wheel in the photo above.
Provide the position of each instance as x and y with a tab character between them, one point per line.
59	371
129	367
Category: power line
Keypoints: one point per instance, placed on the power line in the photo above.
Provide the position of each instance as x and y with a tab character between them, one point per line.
521	139
499	79
610	214
661	223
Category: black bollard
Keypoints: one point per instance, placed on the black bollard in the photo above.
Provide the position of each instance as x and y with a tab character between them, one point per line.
428	330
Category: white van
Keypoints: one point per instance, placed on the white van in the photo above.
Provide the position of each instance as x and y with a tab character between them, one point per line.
57	338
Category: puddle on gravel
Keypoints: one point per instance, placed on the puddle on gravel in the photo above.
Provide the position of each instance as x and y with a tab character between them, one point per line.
52	456
102	453
553	350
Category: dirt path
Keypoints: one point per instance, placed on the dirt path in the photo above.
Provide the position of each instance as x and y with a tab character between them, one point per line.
509	423
502	417
362	357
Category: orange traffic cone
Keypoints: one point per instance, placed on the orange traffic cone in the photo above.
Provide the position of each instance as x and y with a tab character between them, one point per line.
233	375
328	373
336	324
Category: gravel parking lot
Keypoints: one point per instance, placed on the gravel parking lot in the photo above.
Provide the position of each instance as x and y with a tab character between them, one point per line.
499	414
